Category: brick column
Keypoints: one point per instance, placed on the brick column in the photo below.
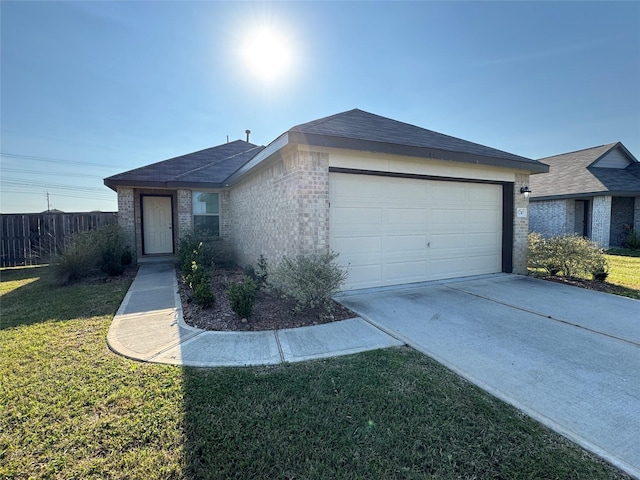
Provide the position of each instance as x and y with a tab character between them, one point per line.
636	215
520	226
126	216
601	220
185	218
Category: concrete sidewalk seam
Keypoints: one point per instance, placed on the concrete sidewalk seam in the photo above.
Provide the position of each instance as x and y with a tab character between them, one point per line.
170	346
282	358
548	317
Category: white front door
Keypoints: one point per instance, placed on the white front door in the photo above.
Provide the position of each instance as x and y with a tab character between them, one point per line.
157	225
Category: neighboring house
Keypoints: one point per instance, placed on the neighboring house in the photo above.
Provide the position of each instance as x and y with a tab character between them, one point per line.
399	203
594	193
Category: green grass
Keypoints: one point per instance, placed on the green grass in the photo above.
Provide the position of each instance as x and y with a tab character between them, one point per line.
624	272
624	269
69	408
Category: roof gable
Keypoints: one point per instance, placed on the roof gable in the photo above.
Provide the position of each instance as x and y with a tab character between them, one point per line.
205	168
596	170
362	131
372	132
614	158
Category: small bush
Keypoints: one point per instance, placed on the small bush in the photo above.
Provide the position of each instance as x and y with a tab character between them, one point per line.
202	293
633	240
600	269
75	262
573	255
207	251
262	271
242	296
310	280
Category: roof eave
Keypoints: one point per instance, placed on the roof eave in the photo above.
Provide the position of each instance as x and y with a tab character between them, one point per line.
316	140
114	184
602	193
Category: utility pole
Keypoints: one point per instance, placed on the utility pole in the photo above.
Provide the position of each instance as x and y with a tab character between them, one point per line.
48	205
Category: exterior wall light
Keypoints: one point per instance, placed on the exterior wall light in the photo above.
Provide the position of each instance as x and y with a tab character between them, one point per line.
525	191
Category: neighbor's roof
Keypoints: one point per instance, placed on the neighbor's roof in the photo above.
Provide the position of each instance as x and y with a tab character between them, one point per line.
363	131
573	175
207	168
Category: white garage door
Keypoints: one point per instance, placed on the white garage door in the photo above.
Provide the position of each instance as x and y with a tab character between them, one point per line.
391	231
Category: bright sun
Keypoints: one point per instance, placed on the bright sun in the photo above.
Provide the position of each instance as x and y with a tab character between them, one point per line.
267	54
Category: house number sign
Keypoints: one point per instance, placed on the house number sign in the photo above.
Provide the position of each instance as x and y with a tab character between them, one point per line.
521	212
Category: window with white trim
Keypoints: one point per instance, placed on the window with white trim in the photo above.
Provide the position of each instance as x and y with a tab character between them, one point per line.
206	214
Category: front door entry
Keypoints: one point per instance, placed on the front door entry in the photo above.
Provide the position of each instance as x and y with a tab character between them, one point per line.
581	215
157	225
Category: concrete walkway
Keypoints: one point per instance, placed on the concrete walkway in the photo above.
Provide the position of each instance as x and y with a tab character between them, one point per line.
149	326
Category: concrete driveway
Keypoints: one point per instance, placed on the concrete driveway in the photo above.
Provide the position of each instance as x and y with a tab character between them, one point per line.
566	356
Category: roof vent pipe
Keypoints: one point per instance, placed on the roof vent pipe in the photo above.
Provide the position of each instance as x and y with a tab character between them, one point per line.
248	132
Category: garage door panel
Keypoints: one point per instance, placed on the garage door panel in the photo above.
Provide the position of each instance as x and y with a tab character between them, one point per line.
357	216
486	217
447	216
362	244
410	244
398	190
398	230
404	272
412	217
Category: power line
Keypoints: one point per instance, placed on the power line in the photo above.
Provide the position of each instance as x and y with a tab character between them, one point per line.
59	160
64	174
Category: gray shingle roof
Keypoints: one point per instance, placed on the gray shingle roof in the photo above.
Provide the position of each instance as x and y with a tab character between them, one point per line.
206	168
570	175
360	130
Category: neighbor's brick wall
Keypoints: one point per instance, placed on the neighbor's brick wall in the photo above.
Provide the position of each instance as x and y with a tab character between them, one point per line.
622	210
550	218
636	215
126	215
283	209
601	220
520	226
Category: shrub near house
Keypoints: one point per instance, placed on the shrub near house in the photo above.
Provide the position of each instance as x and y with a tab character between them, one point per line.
571	255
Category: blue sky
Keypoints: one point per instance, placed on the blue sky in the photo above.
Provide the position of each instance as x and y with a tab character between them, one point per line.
90	89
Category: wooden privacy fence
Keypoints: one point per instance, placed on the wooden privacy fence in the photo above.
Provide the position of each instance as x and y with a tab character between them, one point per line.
32	238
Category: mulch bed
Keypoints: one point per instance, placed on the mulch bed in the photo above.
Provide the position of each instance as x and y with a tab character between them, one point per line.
579	282
270	312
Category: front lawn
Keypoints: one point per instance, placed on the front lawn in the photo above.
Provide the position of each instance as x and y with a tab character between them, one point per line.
69	408
624	269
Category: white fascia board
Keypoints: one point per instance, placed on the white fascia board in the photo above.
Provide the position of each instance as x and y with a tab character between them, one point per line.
279	143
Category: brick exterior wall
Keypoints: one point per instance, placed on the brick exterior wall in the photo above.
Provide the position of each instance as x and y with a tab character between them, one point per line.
283	209
636	215
520	226
622	210
126	216
185	218
601	220
551	218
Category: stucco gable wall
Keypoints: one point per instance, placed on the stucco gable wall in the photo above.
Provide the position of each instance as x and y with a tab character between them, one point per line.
282	209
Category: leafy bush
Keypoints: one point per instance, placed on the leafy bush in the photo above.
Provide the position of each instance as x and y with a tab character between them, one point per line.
310	280
110	242
242	296
633	240
202	293
600	269
104	248
207	251
75	262
573	255
262	271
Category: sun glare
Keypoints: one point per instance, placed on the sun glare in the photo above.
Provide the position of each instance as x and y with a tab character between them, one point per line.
267	54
